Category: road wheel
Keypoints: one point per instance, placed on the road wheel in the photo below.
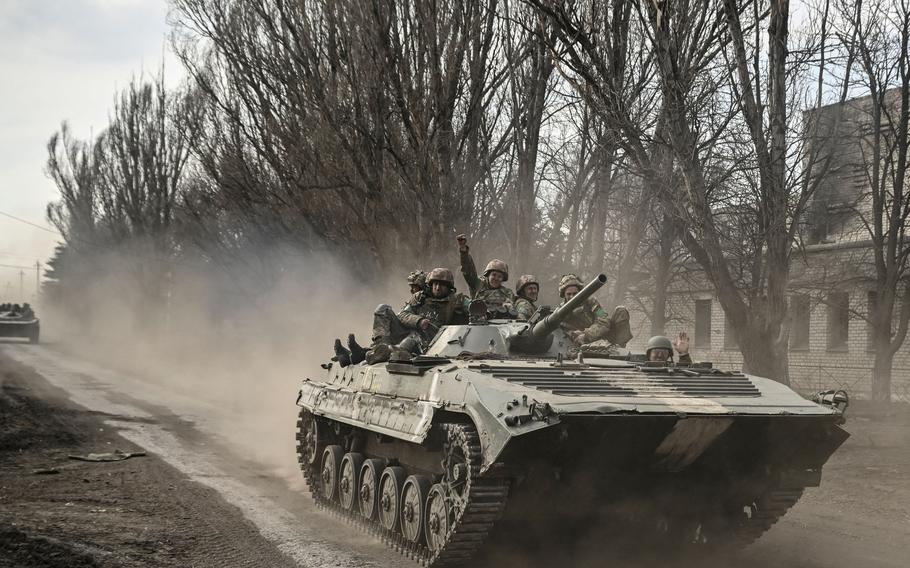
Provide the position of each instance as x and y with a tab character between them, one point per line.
413	507
368	494
438	518
390	496
331	464
349	482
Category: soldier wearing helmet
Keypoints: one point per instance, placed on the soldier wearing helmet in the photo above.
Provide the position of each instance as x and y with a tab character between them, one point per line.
414	326
488	287
526	296
660	349
417	280
590	322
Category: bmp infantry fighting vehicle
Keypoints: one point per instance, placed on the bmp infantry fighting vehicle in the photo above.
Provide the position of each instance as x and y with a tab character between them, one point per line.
19	321
494	426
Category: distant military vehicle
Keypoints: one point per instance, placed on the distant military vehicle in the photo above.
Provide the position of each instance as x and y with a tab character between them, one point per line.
494	423
19	321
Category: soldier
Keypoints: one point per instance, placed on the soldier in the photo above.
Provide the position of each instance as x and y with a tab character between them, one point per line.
417	280
526	296
438	305
660	349
589	322
488	287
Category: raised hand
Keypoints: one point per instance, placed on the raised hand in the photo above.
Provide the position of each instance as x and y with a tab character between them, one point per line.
462	242
681	344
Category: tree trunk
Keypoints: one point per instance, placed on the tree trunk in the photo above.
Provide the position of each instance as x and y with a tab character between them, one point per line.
881	373
662	275
763	356
603	187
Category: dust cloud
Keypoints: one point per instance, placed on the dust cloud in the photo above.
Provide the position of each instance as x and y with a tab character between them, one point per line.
231	337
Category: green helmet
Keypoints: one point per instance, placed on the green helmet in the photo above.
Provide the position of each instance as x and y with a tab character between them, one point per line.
441	275
498	266
658	342
524	280
417	278
567	281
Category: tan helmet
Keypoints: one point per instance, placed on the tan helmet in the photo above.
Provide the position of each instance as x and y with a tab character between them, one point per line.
441	275
524	280
569	280
498	266
417	278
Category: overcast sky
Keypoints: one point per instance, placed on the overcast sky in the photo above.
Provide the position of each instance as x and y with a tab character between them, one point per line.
62	60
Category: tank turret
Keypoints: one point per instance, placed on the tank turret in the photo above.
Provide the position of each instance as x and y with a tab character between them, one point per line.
550	323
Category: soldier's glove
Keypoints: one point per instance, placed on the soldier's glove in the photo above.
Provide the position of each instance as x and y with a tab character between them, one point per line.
462	243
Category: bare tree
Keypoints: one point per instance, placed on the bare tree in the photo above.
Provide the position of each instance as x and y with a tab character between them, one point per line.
529	77
375	126
878	35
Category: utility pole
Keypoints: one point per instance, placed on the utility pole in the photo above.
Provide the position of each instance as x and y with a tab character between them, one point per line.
37	280
21	285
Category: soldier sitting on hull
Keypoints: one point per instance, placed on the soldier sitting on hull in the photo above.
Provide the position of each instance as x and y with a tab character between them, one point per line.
488	287
589	322
526	296
661	350
423	315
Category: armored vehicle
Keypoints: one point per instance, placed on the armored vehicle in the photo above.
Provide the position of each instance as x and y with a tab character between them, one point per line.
496	425
19	321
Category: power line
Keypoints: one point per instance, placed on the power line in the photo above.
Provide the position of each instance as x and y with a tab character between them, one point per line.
88	243
16	266
35	225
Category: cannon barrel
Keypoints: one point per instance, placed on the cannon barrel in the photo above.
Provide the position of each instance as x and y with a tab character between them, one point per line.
547	325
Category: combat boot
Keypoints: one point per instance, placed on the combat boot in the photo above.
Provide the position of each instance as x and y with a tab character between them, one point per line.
358	353
379	353
342	355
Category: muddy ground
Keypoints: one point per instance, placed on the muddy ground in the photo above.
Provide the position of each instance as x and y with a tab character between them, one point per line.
57	511
165	509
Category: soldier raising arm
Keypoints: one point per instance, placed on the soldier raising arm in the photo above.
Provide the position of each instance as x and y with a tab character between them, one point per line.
488	287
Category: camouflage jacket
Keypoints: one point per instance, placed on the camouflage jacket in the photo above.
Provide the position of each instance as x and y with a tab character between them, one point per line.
480	288
440	311
524	308
590	318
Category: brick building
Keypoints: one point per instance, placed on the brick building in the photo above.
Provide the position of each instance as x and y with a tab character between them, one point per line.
831	285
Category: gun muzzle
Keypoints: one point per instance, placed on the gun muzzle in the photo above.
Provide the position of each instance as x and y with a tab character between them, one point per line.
549	324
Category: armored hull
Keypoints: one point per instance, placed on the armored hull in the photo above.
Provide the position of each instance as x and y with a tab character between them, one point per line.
17	325
430	454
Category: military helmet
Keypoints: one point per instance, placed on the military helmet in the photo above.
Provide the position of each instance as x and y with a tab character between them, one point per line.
417	278
498	266
658	342
441	275
524	280
568	280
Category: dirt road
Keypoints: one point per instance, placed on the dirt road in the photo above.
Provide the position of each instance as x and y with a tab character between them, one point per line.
199	498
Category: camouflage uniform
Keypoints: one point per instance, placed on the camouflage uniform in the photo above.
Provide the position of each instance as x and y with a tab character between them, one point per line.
591	319
524	308
497	299
391	328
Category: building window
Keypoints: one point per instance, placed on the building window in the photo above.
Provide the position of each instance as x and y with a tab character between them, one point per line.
703	323
799	326
838	321
729	334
